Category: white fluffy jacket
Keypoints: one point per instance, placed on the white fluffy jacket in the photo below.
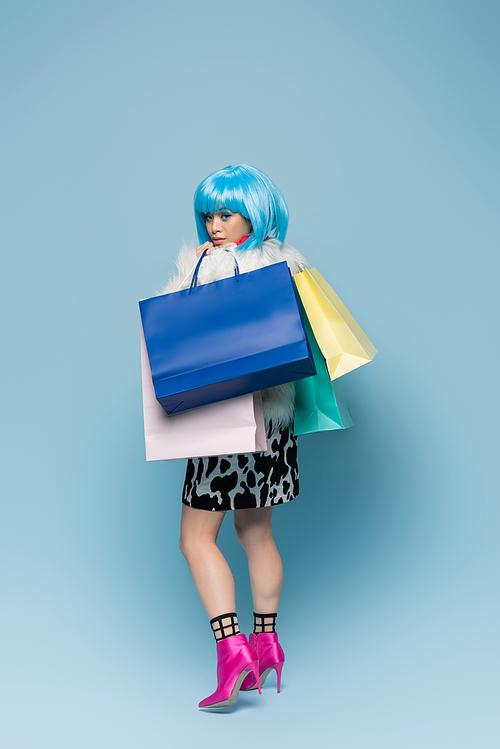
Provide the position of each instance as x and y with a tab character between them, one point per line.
278	401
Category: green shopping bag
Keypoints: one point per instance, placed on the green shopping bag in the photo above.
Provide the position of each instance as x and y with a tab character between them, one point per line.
320	405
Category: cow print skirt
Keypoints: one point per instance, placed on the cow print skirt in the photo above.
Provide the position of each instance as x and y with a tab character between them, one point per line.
237	482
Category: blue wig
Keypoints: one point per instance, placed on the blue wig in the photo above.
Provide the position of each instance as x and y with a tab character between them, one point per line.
246	190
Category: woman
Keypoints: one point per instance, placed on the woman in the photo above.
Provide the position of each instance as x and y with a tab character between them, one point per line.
240	212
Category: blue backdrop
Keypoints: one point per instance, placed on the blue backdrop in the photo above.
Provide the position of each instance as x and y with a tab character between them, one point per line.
379	121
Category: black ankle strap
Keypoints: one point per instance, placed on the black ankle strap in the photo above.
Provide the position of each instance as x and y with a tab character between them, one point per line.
264	623
225	626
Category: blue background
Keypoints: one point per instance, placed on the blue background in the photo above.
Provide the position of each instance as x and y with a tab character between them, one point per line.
379	121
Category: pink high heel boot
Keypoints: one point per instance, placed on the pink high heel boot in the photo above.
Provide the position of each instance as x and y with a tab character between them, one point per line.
236	660
270	654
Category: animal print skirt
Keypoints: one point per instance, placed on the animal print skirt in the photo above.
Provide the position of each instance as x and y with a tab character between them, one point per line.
237	482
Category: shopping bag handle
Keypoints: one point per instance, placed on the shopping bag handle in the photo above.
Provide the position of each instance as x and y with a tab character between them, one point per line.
196	270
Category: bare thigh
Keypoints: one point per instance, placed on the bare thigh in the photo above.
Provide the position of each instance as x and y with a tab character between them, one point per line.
199	525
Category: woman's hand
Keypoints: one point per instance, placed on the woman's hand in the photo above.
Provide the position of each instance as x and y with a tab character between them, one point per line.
202	247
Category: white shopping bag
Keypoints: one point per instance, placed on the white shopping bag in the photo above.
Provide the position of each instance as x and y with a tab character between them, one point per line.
231	426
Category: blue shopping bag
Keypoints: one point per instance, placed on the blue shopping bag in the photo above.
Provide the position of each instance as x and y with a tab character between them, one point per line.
225	338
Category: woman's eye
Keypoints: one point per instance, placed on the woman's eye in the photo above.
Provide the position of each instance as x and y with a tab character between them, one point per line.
226	215
208	216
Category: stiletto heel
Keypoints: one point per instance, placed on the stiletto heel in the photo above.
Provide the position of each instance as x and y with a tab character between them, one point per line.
278	667
236	661
271	656
255	674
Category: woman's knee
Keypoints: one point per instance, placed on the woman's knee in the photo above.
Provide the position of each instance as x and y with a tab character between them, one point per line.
183	545
193	542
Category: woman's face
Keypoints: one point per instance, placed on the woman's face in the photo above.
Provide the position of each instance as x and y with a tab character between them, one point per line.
225	226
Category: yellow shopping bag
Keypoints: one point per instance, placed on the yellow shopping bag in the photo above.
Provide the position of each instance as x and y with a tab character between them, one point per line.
341	340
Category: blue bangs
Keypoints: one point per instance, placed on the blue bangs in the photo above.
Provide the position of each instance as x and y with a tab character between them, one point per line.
246	190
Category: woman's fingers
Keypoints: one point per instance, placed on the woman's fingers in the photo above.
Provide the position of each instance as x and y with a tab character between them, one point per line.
202	247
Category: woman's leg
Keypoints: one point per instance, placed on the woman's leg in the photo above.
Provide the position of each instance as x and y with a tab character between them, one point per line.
211	574
215	584
255	534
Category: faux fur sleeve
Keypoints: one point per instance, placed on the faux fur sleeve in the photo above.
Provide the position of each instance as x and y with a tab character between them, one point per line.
186	262
273	252
296	261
